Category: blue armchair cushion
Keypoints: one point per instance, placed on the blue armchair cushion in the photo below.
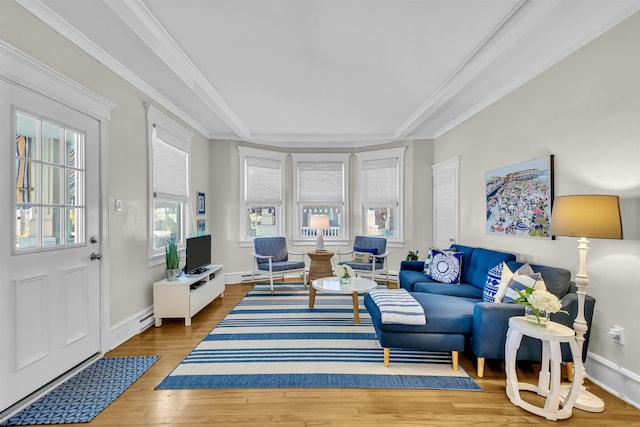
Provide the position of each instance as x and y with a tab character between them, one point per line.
281	265
446	267
271	246
362	265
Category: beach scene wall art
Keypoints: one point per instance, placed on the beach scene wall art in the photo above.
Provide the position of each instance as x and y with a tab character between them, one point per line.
519	199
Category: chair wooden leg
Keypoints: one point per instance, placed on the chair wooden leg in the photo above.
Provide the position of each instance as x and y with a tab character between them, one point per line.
454	360
480	367
569	366
387	352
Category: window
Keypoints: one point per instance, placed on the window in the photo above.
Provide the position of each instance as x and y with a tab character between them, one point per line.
320	187
169	146
49	201
379	196
262	193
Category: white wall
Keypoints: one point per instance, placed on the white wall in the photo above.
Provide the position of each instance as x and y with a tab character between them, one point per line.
131	278
585	111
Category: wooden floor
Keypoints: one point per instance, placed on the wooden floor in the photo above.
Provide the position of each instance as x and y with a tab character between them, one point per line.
142	405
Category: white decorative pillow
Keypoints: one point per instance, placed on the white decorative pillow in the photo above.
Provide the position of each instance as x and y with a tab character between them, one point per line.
446	267
361	257
506	277
522	281
427	261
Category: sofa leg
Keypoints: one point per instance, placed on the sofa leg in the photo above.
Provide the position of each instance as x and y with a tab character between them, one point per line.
570	371
454	359
387	352
480	367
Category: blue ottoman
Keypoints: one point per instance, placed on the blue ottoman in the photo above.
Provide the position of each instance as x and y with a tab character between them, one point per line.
449	318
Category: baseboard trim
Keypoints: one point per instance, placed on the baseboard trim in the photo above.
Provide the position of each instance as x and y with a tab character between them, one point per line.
130	327
613	378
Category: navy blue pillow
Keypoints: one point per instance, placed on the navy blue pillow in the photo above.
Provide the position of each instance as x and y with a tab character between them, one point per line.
372	251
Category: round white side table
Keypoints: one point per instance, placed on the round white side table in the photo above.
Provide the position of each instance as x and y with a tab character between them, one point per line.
550	369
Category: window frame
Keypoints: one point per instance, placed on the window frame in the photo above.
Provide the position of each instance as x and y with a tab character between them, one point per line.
244	239
398	155
344	159
179	138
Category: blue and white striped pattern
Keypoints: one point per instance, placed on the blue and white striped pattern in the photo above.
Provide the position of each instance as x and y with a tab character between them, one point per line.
277	341
398	307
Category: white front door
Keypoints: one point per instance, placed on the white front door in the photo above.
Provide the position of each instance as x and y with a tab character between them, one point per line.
445	203
50	287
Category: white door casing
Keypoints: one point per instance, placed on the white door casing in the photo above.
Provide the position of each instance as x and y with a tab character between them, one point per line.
446	202
53	305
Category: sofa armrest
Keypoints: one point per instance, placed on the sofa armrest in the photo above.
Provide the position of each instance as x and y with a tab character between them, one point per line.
412	265
490	324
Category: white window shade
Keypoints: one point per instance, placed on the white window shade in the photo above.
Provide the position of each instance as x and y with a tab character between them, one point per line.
263	181
320	182
169	169
380	183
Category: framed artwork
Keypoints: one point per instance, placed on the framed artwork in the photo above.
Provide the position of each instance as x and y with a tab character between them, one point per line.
200	203
519	198
201	226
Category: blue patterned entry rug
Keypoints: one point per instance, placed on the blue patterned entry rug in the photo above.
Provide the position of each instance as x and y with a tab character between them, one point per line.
277	341
82	397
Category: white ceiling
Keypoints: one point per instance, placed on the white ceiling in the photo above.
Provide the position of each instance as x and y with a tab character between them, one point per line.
327	73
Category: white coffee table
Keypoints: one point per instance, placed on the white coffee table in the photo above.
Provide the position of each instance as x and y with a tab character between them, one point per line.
357	285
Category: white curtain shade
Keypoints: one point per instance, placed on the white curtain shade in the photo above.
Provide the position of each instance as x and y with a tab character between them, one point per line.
263	183
380	183
170	176
321	182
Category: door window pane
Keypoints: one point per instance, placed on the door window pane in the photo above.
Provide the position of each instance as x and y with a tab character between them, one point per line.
49	199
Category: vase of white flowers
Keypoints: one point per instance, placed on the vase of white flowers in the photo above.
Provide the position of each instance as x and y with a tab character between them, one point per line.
538	305
344	273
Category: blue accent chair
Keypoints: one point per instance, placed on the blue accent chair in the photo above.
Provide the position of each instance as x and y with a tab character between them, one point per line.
377	247
271	257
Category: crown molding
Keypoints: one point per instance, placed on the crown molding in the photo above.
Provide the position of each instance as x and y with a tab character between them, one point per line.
52	19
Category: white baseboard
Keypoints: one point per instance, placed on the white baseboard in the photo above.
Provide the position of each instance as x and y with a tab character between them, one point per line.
130	327
613	378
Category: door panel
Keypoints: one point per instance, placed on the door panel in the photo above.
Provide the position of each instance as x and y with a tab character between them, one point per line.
50	295
445	203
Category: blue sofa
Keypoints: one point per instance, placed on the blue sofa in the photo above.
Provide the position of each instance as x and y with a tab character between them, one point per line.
490	320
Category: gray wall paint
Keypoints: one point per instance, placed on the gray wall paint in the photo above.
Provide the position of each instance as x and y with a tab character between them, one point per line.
585	111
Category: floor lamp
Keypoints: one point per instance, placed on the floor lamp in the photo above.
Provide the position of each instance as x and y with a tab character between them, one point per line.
585	216
319	223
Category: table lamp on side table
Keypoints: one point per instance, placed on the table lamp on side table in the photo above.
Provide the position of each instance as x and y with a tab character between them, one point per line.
585	216
319	223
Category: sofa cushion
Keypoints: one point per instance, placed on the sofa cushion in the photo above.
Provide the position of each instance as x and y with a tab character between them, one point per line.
557	280
483	260
446	266
464	290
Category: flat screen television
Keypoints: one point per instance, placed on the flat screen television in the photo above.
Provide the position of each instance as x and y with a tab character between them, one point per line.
198	254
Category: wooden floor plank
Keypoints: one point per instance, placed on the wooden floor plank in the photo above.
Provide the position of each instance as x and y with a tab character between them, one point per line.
142	405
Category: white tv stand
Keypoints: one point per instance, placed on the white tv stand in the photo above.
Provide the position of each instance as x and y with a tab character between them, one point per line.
187	295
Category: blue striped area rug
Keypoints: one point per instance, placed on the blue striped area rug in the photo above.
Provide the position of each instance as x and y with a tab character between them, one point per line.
277	341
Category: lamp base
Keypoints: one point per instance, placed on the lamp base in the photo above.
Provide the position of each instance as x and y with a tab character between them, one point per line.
586	401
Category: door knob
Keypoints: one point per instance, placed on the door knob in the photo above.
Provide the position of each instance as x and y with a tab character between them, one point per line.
93	240
94	256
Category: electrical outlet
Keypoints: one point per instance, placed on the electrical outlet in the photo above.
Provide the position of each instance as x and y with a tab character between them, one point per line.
617	334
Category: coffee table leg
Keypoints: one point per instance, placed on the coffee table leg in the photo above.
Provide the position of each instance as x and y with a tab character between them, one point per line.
356	310
312	296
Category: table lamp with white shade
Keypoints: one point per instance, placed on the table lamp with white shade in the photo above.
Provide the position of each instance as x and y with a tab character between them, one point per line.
319	223
585	216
